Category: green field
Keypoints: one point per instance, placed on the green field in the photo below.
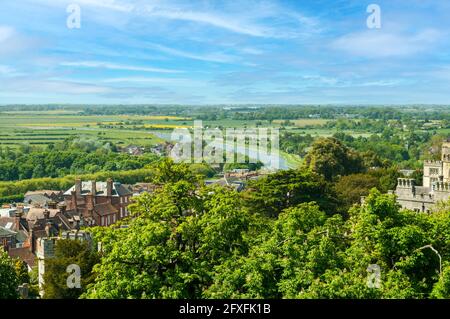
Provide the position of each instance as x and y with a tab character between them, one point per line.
41	128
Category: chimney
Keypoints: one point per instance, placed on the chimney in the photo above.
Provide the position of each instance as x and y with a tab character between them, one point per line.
90	201
31	239
48	228
17	218
52	205
94	188
109	187
46	214
74	201
62	208
94	192
78	187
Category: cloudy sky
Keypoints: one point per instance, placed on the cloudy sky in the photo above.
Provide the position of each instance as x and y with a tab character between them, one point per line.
202	52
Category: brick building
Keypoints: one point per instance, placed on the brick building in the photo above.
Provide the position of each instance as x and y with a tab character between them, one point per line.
98	203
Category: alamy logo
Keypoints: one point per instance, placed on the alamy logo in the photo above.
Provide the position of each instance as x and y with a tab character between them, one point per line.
374	19
212	145
74	279
74	18
374	276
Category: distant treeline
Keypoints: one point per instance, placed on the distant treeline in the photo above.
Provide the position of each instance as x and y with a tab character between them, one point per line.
255	112
15	190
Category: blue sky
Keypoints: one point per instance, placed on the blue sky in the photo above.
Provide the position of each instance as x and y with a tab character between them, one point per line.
214	52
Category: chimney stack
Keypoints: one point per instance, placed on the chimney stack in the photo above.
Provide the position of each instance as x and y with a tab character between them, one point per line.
48	227
46	214
62	208
17	218
78	187
109	187
94	191
74	201
94	188
90	201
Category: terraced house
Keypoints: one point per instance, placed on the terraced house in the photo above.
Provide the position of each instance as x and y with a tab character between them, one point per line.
98	203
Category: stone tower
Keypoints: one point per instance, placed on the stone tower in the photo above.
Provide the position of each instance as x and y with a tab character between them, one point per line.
446	161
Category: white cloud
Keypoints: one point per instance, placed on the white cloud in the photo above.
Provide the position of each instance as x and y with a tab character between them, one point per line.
12	42
114	66
242	18
6	70
51	86
154	80
5	33
101	4
379	44
211	57
247	18
219	21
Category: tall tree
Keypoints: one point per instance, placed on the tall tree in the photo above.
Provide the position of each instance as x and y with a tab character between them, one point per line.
8	277
330	158
69	252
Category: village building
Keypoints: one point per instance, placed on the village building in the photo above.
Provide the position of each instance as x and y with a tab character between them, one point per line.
98	203
43	198
25	232
133	150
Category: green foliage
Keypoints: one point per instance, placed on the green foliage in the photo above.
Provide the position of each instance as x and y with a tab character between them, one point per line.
68	252
81	157
21	187
22	271
271	194
331	158
172	245
9	280
186	242
351	188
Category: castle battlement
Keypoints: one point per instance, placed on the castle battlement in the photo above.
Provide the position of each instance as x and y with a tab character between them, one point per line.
430	162
441	187
436	185
406	182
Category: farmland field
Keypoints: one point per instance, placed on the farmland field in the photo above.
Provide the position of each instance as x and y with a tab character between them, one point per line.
42	128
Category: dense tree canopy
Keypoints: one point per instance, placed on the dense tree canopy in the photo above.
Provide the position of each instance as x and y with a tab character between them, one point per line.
9	279
190	241
69	252
330	158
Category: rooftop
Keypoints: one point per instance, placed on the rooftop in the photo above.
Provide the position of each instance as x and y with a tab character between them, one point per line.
86	188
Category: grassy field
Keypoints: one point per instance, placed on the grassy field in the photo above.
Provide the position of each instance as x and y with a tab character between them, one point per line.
41	137
302	123
41	128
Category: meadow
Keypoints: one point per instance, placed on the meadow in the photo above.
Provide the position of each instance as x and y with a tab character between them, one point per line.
41	128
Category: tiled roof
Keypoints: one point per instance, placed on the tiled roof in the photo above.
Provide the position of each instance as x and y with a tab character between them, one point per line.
23	254
42	192
38	213
105	209
6	232
37	199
